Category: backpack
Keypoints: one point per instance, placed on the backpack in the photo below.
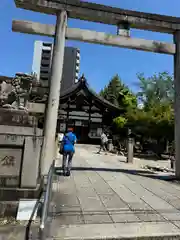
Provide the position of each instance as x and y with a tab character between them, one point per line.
61	149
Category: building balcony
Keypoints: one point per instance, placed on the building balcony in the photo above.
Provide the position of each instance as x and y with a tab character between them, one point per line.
77	75
46	50
77	68
77	61
78	55
46	55
44	75
45	61
44	69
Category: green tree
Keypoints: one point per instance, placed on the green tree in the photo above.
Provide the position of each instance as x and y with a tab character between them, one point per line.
156	119
118	93
119	122
121	96
156	122
156	90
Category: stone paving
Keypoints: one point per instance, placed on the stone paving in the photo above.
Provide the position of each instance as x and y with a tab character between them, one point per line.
106	197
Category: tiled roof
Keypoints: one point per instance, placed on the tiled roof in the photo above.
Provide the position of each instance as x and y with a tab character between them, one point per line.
82	84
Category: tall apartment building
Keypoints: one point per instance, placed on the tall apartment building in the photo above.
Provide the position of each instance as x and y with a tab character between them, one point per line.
42	64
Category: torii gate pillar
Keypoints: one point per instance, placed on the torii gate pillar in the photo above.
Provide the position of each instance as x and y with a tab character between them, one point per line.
48	149
177	102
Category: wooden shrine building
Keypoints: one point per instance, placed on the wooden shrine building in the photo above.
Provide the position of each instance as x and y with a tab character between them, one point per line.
85	111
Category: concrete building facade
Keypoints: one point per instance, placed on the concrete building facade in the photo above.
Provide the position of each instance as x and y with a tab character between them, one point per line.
42	64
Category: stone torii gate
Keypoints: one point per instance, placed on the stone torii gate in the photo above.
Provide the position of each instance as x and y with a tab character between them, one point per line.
124	20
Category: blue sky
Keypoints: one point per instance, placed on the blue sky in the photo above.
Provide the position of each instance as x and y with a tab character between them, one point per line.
99	63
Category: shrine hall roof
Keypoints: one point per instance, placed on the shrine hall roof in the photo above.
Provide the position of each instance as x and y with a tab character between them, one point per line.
82	84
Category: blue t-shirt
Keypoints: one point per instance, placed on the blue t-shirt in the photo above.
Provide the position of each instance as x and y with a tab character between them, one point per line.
68	140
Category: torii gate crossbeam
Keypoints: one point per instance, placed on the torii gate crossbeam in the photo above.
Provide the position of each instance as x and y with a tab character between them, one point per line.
95	37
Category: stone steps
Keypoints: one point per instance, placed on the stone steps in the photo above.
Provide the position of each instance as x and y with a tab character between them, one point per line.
150	230
19	231
120	231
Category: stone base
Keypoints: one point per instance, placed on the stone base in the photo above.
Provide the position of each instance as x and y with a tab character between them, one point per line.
10	199
14	194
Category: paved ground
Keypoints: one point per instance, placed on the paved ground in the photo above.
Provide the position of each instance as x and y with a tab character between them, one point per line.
106	197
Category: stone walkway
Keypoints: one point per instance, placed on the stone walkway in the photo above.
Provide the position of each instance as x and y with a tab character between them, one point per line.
106	197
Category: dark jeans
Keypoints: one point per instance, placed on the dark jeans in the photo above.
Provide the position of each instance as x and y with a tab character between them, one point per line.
104	146
67	161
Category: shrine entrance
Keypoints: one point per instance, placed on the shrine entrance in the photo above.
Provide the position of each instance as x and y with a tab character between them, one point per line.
124	20
85	112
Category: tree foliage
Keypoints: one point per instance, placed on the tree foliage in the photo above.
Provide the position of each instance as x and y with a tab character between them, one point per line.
156	122
155	119
118	93
156	90
120	122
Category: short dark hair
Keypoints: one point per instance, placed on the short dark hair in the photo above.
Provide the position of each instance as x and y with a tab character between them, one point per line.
70	129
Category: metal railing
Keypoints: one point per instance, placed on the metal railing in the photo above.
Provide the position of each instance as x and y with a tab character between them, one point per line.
46	204
28	231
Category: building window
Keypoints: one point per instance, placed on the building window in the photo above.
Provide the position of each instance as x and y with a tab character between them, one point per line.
47	44
44	78
46	57
44	72
44	64
46	51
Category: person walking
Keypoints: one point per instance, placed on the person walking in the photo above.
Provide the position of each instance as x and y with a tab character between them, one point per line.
104	142
68	142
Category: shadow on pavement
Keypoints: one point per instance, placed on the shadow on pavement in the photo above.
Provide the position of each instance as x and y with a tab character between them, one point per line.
142	173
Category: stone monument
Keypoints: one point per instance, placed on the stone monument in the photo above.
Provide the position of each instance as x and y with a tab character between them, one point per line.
20	139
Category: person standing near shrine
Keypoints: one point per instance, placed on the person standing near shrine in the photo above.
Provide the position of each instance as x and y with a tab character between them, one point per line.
104	142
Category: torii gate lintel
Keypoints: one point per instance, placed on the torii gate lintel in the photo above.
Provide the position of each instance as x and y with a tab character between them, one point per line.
99	13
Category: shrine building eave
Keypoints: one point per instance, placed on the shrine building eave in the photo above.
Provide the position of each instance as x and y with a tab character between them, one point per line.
82	85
